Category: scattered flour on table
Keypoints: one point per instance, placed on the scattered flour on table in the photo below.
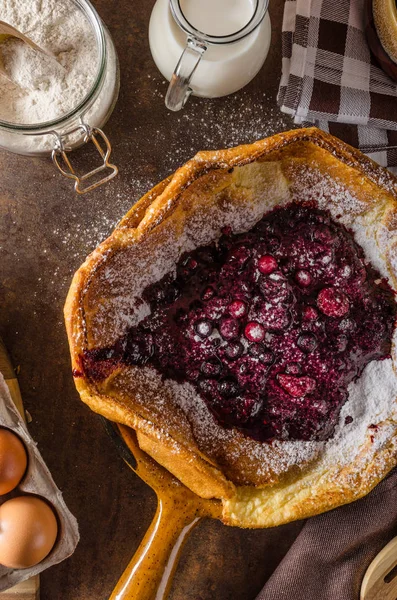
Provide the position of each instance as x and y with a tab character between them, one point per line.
83	229
46	88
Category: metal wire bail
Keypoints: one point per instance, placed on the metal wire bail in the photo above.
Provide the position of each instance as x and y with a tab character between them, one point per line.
61	151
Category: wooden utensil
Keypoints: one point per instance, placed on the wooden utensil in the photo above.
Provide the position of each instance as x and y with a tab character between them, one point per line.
29	589
385	16
380	19
149	574
8	31
380	579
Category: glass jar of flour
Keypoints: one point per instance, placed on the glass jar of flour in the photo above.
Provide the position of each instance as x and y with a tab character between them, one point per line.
52	105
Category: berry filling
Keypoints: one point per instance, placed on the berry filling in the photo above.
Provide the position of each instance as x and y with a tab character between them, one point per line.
270	326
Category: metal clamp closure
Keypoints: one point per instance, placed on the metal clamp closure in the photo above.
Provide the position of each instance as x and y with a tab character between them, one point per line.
61	152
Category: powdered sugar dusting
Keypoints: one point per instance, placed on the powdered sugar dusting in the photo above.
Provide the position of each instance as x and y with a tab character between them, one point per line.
372	400
328	193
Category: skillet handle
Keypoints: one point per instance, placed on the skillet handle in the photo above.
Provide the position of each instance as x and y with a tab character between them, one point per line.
149	574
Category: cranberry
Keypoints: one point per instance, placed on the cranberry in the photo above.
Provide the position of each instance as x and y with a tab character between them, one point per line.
254	331
229	328
211	368
203	327
228	387
307	342
237	309
303	278
234	350
332	302
298	387
267	264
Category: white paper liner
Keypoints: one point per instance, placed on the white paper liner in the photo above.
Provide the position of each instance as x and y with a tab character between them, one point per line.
38	481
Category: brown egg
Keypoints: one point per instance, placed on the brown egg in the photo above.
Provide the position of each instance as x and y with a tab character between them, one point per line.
13	461
28	530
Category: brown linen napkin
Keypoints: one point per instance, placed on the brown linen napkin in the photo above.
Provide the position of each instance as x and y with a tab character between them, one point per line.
329	557
330	78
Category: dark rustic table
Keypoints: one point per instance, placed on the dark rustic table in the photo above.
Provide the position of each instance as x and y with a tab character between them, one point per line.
45	233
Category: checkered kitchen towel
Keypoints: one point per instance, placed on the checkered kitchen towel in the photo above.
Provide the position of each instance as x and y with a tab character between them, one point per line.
330	78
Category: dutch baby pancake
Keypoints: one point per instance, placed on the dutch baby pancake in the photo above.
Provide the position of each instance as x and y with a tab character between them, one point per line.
241	318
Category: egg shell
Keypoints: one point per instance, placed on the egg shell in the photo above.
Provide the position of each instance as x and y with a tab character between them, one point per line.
13	461
28	531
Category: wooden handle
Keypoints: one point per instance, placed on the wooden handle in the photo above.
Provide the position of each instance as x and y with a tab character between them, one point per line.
26	590
5	363
149	574
380	580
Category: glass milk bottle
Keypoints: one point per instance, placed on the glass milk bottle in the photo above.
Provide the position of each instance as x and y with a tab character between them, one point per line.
210	48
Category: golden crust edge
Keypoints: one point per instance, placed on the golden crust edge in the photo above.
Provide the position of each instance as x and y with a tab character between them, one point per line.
310	496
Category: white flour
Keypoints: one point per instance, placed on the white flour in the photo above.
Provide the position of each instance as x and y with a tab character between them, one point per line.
46	88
